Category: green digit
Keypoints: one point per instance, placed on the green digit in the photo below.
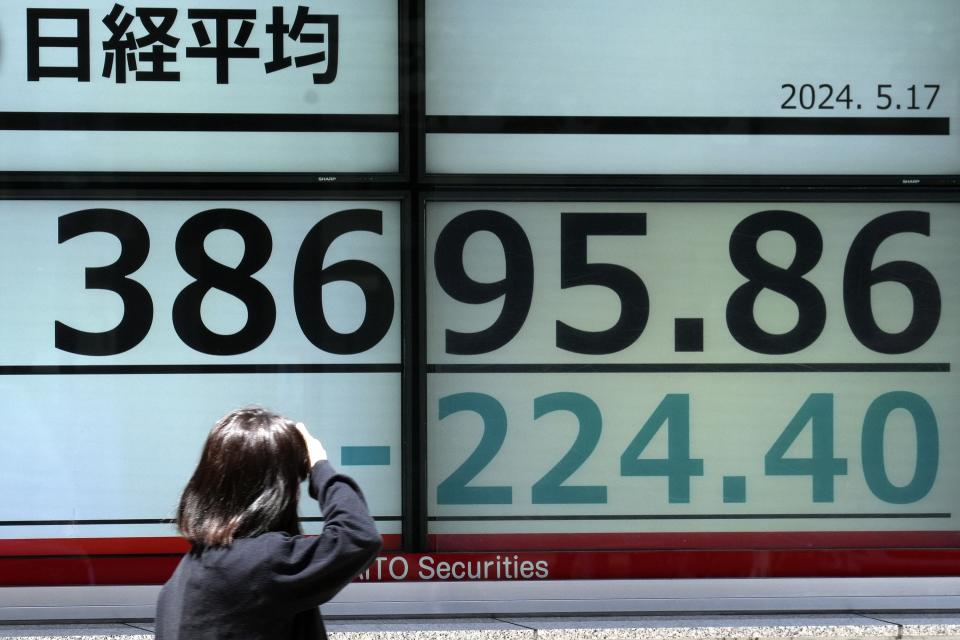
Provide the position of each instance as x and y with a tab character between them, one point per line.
454	489
678	466
928	447
549	489
817	411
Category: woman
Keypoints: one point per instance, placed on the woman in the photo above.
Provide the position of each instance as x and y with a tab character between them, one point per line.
251	573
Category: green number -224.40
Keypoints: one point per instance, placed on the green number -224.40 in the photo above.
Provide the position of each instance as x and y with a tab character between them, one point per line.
673	414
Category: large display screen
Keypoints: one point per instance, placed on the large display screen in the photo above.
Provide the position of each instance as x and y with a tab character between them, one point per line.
198	86
130	327
643	375
739	88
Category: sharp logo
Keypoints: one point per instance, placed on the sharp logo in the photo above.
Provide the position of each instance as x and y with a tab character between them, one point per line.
912	181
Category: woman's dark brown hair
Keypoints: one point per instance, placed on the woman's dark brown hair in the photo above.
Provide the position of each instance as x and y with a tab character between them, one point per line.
247	481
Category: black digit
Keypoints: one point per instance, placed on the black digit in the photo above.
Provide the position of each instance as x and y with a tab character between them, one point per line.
788	282
808	96
885	96
575	271
237	281
859	276
137	305
913	97
516	287
844	96
310	276
823	103
793	92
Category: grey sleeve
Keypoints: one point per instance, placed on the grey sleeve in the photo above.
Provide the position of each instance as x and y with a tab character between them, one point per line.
306	571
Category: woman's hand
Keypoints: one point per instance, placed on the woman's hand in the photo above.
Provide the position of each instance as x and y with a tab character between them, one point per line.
315	450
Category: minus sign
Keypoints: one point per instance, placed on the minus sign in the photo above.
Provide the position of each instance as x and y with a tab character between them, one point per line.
366	456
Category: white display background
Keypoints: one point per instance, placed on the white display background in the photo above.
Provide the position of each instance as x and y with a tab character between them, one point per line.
735	417
121	446
688	59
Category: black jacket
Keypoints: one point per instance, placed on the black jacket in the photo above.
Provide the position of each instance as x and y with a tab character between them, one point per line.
269	586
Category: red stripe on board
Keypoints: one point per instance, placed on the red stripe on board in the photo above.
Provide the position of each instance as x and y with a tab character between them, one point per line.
115	546
587	565
92	546
533	542
726	540
92	570
568	565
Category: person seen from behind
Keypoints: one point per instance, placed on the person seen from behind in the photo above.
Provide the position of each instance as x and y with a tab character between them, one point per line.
251	573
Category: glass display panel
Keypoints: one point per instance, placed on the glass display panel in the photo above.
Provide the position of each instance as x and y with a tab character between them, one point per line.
130	327
697	376
197	86
733	89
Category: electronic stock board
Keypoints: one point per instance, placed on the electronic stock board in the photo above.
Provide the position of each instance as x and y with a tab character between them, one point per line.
602	372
